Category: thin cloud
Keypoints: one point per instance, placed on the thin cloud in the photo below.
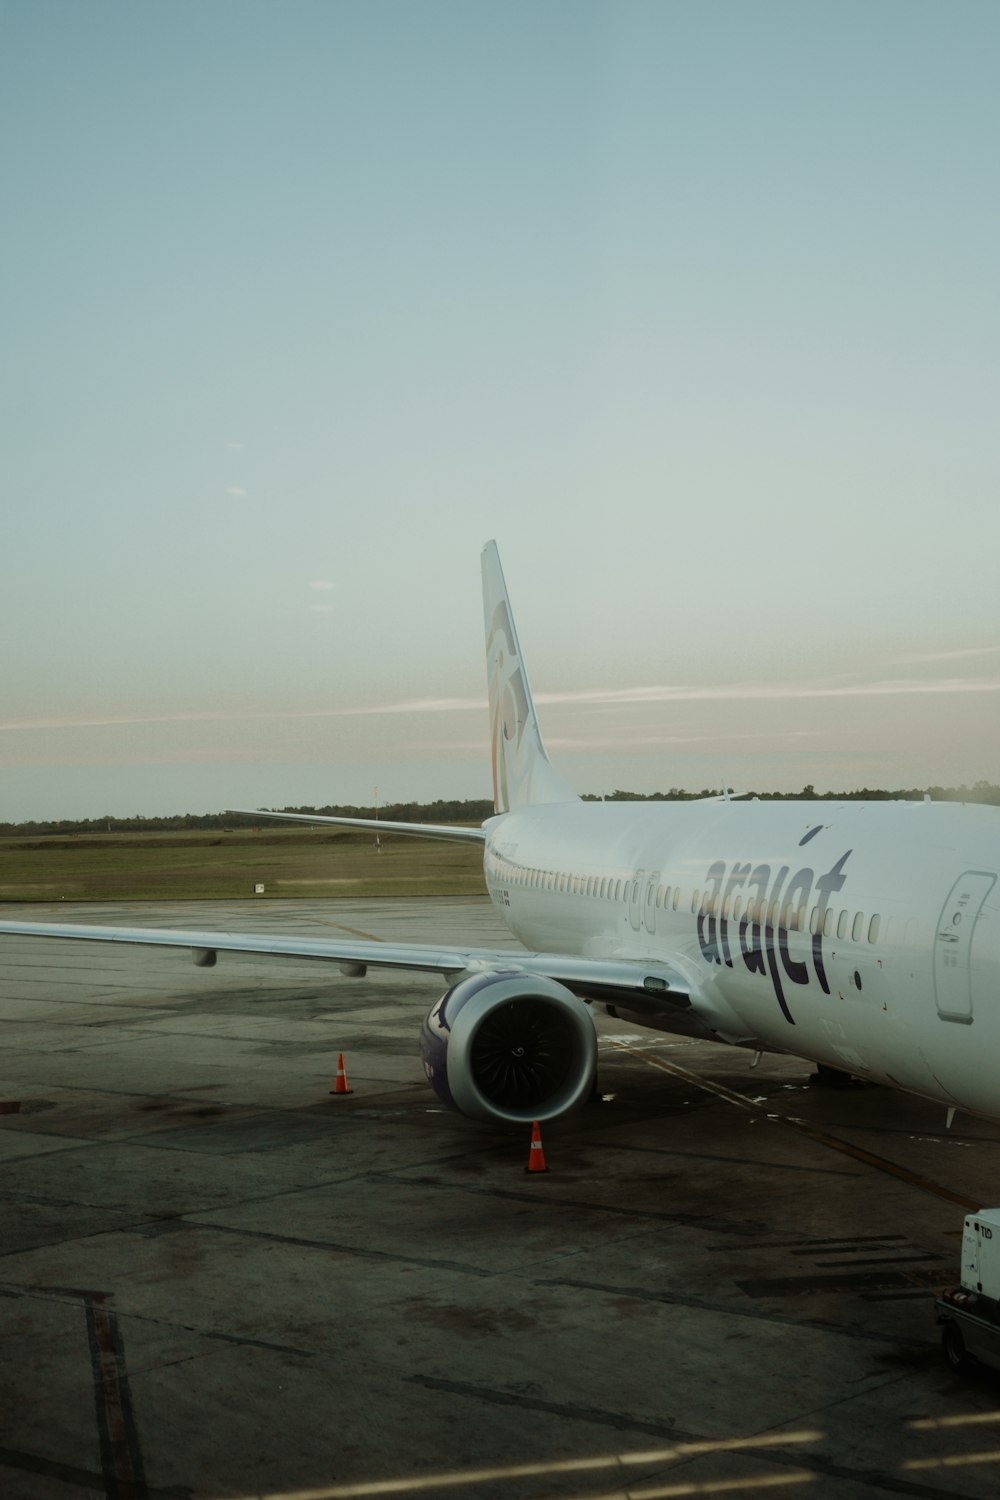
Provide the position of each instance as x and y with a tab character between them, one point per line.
929	656
768	691
589	697
113	721
321	583
234	489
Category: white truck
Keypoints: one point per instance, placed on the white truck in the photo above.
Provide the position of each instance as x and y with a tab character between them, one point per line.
969	1314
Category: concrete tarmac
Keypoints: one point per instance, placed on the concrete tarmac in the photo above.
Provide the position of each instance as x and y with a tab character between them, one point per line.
217	1279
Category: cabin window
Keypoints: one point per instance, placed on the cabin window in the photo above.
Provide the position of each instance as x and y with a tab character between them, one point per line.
859	926
873	927
842	925
659	895
737	908
828	922
677	896
695	901
650	894
814	920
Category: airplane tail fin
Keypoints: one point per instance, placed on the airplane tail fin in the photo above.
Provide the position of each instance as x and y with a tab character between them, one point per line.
522	772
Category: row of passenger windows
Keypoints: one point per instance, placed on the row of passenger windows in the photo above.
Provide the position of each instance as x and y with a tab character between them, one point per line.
778	913
666	898
603	887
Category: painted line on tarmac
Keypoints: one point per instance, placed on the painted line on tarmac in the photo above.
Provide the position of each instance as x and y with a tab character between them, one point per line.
821	1137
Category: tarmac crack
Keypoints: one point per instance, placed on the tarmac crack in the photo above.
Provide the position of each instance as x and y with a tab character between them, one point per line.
727	1310
431	1263
579	1205
87	1479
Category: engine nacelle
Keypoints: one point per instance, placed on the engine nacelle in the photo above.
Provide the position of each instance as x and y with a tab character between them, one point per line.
510	1047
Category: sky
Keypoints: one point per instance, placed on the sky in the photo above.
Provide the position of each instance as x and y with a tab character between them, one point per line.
694	307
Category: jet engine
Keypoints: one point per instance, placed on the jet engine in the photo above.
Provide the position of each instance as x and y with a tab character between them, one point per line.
509	1047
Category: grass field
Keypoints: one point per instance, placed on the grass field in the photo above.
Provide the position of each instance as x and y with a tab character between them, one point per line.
222	866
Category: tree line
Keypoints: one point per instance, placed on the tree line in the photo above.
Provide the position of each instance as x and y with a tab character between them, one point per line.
474	811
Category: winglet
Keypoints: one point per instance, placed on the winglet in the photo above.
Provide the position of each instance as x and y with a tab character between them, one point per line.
522	772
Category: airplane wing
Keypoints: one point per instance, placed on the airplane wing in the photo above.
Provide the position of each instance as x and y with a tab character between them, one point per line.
453	832
646	985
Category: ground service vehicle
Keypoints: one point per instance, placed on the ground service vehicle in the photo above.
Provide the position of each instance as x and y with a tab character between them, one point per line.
969	1314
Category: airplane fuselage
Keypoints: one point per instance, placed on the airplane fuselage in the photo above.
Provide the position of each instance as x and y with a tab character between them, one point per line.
861	935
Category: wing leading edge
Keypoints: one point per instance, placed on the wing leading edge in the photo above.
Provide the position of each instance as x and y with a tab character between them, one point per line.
605	979
454	833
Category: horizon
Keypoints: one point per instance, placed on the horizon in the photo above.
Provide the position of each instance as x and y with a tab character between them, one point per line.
989	794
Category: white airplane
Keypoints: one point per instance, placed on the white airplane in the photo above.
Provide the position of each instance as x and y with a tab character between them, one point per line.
864	937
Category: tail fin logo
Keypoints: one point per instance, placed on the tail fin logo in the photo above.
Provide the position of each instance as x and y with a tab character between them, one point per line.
509	704
522	773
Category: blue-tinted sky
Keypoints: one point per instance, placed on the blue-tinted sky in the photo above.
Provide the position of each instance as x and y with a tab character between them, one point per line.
693	306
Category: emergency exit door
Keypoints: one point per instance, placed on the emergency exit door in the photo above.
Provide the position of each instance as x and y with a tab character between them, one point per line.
953	945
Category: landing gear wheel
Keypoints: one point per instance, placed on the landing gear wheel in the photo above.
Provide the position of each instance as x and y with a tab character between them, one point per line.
826	1077
953	1345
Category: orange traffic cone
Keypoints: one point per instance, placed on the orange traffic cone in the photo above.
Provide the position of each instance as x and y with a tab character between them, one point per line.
536	1156
340	1087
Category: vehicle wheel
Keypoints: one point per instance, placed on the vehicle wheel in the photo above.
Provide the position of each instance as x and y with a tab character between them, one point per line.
953	1345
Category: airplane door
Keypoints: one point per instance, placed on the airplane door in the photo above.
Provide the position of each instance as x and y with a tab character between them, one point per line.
953	945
